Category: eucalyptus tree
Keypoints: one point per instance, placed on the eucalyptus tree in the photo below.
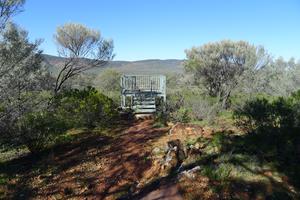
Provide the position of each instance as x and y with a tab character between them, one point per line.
22	76
83	48
108	80
9	8
284	77
221	66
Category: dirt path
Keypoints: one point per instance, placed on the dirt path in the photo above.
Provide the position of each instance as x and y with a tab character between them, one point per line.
166	192
93	167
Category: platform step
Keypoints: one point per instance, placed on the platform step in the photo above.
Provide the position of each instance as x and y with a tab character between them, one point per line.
144	106
144	103
144	111
143	98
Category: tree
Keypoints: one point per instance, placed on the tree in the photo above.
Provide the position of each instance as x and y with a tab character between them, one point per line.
8	8
22	76
283	77
219	66
83	49
109	80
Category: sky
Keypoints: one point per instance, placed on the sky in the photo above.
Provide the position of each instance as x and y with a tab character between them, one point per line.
163	29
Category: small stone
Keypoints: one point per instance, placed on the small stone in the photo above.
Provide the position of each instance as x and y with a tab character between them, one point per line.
170	124
166	148
156	150
191	174
58	196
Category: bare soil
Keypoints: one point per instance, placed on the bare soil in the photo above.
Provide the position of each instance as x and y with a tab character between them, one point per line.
115	165
92	167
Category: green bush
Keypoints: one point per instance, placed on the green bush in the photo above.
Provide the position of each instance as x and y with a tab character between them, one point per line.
108	83
87	108
39	130
263	114
182	115
71	109
162	115
202	108
172	110
274	130
219	172
191	104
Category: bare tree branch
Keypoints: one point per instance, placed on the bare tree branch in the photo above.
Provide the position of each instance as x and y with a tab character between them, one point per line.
83	49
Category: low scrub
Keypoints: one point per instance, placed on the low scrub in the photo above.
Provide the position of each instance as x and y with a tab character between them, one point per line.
71	109
39	130
273	131
186	106
86	108
264	114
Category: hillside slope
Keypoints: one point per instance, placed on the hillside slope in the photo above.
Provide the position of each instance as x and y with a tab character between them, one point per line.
154	66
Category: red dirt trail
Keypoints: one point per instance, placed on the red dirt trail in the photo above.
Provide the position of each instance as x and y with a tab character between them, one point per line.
93	167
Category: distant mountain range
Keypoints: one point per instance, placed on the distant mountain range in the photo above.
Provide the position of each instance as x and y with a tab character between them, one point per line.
153	66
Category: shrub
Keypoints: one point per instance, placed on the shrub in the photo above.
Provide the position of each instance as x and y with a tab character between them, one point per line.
197	105
263	114
219	172
200	108
71	109
38	130
162	115
108	82
274	128
172	110
181	115
255	113
86	107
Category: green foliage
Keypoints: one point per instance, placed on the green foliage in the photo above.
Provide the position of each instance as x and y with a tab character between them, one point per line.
219	172
219	66
108	83
262	113
9	8
38	130
83	49
274	127
21	74
109	80
86	107
218	140
162	115
71	109
181	115
188	104
172	110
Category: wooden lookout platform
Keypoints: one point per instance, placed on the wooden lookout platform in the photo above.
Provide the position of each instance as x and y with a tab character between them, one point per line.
139	92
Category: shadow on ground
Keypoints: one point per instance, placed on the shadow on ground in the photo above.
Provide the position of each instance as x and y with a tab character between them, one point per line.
92	166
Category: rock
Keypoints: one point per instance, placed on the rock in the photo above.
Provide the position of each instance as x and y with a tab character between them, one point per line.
156	150
191	174
174	156
170	124
180	154
208	132
171	158
58	196
166	148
